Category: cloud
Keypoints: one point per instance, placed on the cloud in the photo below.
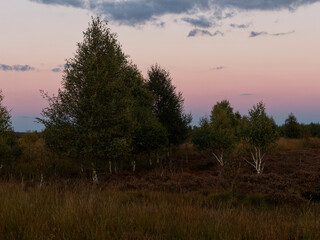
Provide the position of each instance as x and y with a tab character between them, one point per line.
242	26
218	68
281	34
137	12
200	32
256	34
246	94
140	11
201	21
58	69
16	68
71	3
263	4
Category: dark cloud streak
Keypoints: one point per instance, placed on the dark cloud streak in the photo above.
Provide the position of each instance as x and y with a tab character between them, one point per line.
242	26
200	32
256	34
16	68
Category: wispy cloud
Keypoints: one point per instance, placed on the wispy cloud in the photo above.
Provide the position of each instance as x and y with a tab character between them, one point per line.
201	21
218	68
242	26
72	3
256	34
135	12
281	34
16	68
58	69
200	32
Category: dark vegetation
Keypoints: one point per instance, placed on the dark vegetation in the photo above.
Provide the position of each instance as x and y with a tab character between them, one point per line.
118	158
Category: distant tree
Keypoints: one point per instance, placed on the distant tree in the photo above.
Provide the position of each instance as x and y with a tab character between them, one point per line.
261	133
292	129
218	135
313	129
93	115
168	105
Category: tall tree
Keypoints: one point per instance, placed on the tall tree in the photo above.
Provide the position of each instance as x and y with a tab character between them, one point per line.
261	133
93	115
168	105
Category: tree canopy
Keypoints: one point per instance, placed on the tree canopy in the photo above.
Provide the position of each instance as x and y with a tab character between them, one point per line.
168	105
219	134
97	113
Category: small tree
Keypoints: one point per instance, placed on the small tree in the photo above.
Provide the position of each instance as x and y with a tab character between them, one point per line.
261	133
218	135
292	128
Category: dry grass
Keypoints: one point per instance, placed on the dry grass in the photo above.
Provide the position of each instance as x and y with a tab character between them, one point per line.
295	144
85	212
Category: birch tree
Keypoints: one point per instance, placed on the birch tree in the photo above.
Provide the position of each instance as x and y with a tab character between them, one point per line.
261	134
219	134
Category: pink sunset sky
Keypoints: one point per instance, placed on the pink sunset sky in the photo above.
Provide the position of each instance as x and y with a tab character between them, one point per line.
244	51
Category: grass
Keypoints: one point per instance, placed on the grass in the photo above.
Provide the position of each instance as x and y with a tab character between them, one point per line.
56	211
289	144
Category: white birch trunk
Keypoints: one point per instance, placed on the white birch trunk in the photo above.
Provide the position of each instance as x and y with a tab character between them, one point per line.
257	160
219	159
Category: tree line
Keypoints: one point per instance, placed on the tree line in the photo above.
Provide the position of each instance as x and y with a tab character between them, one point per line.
106	113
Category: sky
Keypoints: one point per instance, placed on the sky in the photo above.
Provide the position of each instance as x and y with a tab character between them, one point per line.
243	51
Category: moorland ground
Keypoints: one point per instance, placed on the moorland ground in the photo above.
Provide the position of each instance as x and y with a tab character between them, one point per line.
194	199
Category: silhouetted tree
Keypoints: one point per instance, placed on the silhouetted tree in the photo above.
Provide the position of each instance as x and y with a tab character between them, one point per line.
168	105
292	128
94	115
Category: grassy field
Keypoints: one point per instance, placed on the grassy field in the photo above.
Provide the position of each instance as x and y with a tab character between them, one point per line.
195	199
57	211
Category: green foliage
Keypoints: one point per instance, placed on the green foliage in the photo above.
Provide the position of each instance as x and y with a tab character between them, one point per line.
261	130
5	117
97	114
292	128
220	133
9	147
312	130
224	125
168	105
29	138
202	135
